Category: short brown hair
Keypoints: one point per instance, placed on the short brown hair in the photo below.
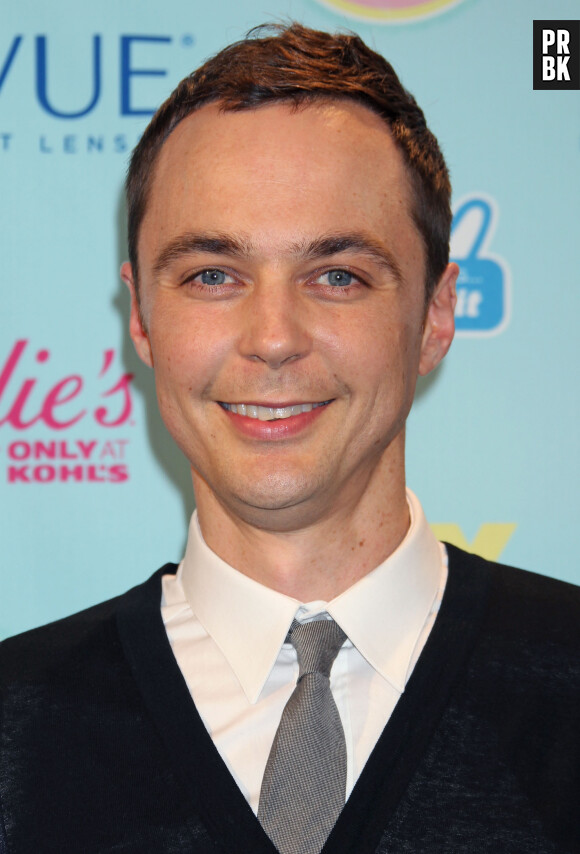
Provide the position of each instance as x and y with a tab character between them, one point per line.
293	63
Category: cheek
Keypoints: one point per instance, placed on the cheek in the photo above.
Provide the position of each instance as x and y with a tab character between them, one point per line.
387	363
383	343
187	347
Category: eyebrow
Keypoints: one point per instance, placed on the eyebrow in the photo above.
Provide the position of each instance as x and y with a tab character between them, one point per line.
189	244
334	244
235	247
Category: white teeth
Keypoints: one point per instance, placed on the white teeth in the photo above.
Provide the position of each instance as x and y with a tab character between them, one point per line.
269	413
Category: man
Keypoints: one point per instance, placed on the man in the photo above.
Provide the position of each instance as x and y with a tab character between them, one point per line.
288	225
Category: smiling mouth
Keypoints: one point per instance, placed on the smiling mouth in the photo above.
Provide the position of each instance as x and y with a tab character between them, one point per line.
270	413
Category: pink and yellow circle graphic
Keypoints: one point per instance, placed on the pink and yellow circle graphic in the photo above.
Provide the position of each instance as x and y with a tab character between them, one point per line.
390	11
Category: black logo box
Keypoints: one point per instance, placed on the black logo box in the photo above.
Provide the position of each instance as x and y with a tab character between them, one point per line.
572	28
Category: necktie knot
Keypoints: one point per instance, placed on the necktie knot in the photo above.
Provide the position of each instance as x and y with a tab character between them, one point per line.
317	644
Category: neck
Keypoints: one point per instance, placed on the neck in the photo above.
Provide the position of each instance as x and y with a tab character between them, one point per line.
315	560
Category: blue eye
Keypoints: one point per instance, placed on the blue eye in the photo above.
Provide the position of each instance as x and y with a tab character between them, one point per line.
339	278
212	277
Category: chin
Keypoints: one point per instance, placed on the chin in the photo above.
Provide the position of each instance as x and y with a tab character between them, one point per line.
277	502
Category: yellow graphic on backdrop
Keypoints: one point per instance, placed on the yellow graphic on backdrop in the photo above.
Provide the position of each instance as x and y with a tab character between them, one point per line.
390	11
489	542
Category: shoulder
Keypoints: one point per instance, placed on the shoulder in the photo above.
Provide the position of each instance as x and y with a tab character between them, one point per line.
75	642
72	712
522	597
528	626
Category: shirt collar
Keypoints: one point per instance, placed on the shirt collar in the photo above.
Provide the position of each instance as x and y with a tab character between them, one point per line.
382	614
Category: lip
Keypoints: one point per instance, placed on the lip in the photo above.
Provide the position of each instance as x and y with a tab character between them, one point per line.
283	428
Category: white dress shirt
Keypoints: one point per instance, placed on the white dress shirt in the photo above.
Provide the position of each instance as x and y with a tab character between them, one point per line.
228	637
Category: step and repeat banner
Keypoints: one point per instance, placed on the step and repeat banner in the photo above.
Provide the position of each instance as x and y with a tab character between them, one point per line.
94	495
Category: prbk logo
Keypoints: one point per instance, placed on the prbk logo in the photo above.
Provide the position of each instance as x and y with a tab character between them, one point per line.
30	399
556	54
483	287
390	11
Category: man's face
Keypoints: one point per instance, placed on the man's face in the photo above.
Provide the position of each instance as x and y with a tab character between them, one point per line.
280	270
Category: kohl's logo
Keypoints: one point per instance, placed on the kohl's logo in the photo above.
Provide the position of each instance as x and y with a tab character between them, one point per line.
28	401
30	398
140	59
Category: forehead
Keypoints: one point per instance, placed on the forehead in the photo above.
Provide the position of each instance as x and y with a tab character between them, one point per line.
279	169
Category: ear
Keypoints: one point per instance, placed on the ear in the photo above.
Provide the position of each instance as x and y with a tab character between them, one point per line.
137	329
439	322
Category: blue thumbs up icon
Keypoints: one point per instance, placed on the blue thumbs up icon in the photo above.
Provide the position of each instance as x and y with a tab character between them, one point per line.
483	284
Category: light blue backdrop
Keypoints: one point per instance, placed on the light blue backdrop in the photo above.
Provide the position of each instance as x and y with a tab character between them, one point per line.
94	496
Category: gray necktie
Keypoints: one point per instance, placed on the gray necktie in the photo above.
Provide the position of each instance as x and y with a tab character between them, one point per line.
304	784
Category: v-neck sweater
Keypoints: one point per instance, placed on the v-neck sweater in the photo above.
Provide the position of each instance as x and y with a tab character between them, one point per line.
102	748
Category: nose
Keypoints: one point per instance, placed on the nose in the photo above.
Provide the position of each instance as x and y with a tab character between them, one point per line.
275	327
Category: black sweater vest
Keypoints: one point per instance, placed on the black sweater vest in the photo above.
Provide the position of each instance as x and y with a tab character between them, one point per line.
102	749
